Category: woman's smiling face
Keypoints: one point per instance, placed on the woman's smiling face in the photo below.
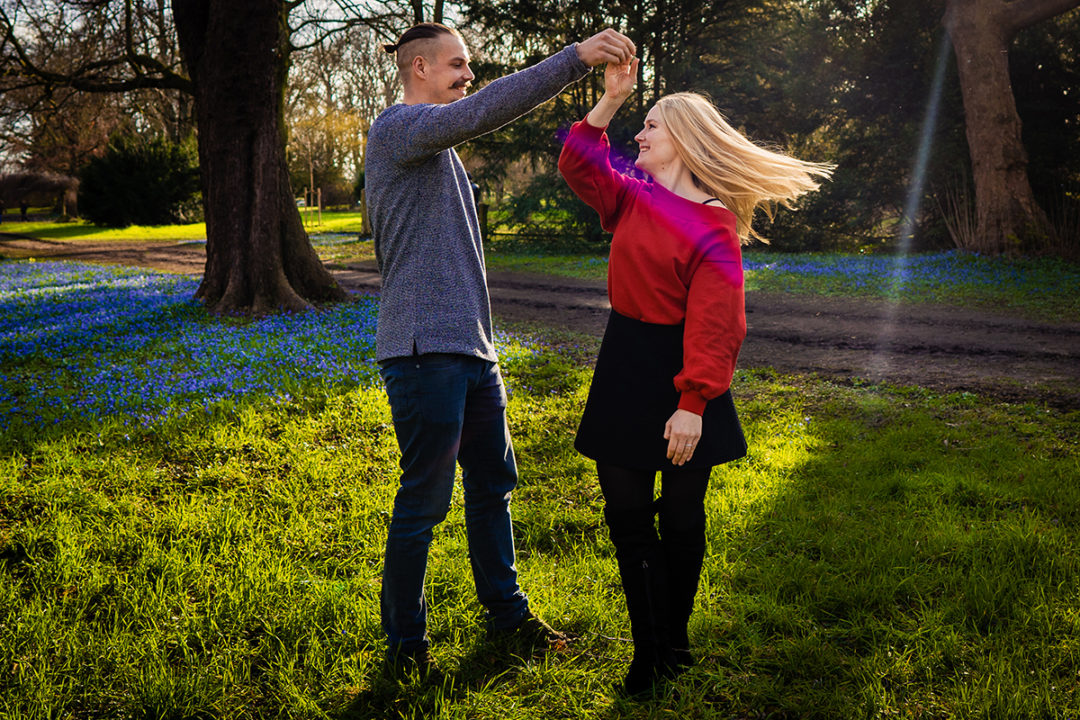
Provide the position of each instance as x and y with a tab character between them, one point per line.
656	150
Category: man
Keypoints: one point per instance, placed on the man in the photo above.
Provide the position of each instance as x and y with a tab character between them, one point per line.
434	342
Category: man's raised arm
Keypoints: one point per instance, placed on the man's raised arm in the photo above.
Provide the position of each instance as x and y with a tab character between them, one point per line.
425	129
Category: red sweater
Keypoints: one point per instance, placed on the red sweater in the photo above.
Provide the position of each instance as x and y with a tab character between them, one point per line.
672	261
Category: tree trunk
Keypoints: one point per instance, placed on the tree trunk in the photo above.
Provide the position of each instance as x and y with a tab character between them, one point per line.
258	257
365	220
1008	218
659	50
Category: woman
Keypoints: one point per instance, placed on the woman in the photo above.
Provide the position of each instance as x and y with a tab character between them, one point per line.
659	399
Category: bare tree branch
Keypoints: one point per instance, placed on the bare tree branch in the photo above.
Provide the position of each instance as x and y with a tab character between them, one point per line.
1020	14
146	71
325	33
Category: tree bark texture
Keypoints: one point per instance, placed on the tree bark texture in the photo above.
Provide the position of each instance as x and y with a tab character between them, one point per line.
1008	218
258	257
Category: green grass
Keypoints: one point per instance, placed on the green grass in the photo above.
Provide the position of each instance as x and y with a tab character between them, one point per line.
882	552
587	267
333	221
340	250
81	230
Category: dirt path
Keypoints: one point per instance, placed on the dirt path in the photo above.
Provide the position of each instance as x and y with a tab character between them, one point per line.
934	346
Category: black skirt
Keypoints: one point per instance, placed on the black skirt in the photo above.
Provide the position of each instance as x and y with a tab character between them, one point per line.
633	396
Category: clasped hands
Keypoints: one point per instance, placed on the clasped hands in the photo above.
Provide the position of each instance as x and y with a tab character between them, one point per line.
607	46
616	51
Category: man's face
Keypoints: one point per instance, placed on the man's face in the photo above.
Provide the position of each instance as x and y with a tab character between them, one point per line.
448	75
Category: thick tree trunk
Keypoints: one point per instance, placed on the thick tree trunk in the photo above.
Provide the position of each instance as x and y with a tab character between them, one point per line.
1008	218
258	257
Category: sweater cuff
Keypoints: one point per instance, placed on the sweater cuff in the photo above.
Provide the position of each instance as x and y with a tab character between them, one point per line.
580	66
692	401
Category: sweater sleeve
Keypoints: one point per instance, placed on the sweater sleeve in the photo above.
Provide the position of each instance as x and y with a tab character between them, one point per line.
426	129
715	328
585	164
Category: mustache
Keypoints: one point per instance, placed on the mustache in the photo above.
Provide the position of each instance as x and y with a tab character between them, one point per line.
461	84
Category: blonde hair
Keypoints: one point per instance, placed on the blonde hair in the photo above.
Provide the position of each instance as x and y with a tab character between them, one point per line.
727	165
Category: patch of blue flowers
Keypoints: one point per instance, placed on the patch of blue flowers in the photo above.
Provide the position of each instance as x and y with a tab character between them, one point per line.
590	263
83	343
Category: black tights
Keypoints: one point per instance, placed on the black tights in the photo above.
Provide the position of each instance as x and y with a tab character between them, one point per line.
675	554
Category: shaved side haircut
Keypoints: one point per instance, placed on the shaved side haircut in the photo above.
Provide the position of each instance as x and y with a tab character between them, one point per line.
418	41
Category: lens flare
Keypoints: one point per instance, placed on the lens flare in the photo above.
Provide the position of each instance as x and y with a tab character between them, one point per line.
897	280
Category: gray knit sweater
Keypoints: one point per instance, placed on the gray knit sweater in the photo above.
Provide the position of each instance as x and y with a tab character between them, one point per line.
427	238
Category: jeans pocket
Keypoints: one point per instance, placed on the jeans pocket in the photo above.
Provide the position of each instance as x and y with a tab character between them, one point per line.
431	387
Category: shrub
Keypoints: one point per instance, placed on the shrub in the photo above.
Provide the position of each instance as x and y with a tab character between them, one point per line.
547	216
142	182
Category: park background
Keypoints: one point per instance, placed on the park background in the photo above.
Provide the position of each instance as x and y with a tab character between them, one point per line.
194	486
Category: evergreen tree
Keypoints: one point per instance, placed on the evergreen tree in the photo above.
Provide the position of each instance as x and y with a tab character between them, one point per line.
141	182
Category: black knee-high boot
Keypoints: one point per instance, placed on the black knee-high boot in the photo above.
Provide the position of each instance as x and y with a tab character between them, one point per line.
682	533
684	563
643	571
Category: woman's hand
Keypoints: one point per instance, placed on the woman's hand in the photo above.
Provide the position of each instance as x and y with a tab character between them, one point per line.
619	81
682	431
620	78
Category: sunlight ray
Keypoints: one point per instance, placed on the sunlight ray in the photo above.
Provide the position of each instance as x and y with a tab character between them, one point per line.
879	361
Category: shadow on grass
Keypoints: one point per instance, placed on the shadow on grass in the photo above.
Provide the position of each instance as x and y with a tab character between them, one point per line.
494	667
914	555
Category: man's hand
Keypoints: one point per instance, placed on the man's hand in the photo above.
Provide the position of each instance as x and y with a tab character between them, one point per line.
607	46
682	432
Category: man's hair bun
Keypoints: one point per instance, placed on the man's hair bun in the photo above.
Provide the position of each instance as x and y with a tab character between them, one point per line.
423	31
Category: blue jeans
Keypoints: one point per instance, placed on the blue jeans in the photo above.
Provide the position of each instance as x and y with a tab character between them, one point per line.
449	409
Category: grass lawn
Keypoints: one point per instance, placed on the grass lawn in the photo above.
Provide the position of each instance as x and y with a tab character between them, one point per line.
192	513
333	221
83	231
